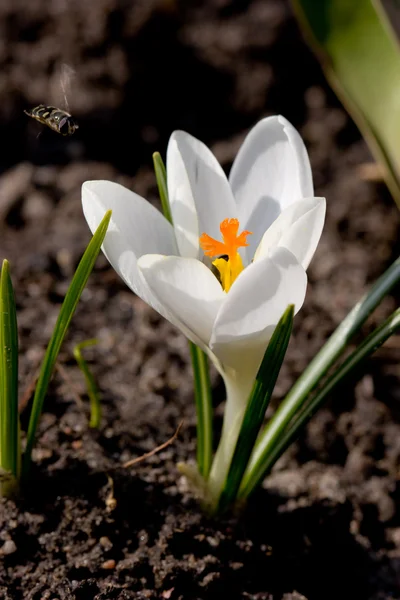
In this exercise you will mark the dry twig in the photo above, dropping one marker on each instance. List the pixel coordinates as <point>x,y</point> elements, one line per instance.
<point>139,459</point>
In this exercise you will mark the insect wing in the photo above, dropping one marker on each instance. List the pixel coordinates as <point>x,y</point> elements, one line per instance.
<point>60,86</point>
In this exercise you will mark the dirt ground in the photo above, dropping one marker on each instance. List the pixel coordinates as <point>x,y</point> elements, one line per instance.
<point>326,524</point>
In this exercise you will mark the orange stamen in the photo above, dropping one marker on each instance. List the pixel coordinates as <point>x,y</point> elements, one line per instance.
<point>231,241</point>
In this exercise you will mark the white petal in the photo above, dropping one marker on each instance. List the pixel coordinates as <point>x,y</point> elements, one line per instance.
<point>187,290</point>
<point>298,228</point>
<point>253,307</point>
<point>136,228</point>
<point>182,204</point>
<point>199,193</point>
<point>270,172</point>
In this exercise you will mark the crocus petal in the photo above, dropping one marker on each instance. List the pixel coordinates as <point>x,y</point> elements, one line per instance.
<point>298,228</point>
<point>187,290</point>
<point>253,307</point>
<point>270,172</point>
<point>136,228</point>
<point>197,185</point>
<point>181,201</point>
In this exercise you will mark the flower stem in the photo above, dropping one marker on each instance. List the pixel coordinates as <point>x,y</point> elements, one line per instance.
<point>256,407</point>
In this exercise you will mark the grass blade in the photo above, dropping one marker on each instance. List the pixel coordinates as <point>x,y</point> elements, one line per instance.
<point>9,418</point>
<point>257,406</point>
<point>93,393</point>
<point>321,363</point>
<point>64,318</point>
<point>202,387</point>
<point>360,56</point>
<point>202,394</point>
<point>161,176</point>
<point>266,461</point>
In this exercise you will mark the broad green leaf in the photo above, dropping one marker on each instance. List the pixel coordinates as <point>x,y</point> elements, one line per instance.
<point>64,318</point>
<point>9,419</point>
<point>360,56</point>
<point>93,393</point>
<point>256,406</point>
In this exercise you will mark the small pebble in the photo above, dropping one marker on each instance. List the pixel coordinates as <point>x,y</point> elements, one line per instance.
<point>40,454</point>
<point>213,541</point>
<point>9,547</point>
<point>105,542</point>
<point>109,564</point>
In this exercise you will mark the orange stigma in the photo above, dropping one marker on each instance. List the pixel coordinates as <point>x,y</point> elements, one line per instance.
<point>231,240</point>
<point>231,268</point>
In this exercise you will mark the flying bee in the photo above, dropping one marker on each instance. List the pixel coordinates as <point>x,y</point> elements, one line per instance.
<point>59,120</point>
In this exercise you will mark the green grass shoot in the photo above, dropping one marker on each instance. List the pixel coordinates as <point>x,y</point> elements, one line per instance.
<point>10,450</point>
<point>313,375</point>
<point>265,462</point>
<point>64,318</point>
<point>92,391</point>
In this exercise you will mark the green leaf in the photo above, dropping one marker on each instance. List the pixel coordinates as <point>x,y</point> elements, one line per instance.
<point>257,406</point>
<point>202,387</point>
<point>317,368</point>
<point>361,60</point>
<point>368,347</point>
<point>64,318</point>
<point>161,176</point>
<point>9,418</point>
<point>94,397</point>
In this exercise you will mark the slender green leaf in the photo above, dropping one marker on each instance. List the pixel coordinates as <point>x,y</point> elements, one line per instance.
<point>266,461</point>
<point>9,419</point>
<point>161,176</point>
<point>202,393</point>
<point>64,318</point>
<point>321,363</point>
<point>93,393</point>
<point>361,59</point>
<point>202,386</point>
<point>257,406</point>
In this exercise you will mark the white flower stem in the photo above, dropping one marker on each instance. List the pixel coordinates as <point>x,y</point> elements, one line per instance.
<point>237,391</point>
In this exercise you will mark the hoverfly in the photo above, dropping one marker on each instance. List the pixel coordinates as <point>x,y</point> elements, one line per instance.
<point>57,119</point>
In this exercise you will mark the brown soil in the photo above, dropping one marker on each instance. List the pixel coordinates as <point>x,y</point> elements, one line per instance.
<point>326,524</point>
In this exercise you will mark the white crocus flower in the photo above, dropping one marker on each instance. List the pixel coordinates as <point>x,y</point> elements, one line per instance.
<point>228,307</point>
